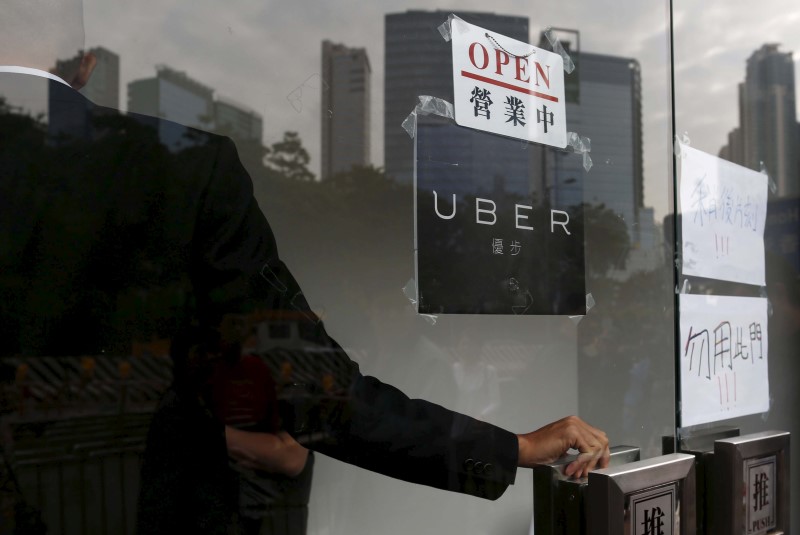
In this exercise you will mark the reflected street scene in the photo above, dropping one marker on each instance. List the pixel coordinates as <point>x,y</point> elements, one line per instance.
<point>262,275</point>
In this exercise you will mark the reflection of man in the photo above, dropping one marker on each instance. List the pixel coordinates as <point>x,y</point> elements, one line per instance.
<point>108,237</point>
<point>273,471</point>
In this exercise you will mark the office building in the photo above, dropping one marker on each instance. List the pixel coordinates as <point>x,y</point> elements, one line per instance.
<point>237,121</point>
<point>345,111</point>
<point>734,150</point>
<point>606,107</point>
<point>173,95</point>
<point>767,131</point>
<point>419,62</point>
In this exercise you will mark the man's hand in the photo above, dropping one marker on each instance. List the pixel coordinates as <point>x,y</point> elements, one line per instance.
<point>270,452</point>
<point>547,444</point>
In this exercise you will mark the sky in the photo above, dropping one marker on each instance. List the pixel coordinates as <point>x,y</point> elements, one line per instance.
<point>258,52</point>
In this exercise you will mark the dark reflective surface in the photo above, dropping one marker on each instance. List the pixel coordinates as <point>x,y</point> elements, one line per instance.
<point>736,97</point>
<point>142,295</point>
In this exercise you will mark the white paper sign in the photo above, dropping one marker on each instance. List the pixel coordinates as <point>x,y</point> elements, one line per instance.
<point>507,87</point>
<point>724,209</point>
<point>723,356</point>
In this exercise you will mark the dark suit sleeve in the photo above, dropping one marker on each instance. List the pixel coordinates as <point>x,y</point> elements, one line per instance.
<point>359,419</point>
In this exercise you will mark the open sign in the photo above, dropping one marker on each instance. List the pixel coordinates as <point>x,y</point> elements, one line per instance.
<point>507,87</point>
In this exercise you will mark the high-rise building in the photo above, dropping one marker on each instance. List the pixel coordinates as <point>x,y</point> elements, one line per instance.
<point>103,86</point>
<point>419,62</point>
<point>237,121</point>
<point>345,111</point>
<point>767,131</point>
<point>734,150</point>
<point>174,96</point>
<point>606,108</point>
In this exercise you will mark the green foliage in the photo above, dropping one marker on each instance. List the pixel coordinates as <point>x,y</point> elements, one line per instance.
<point>20,130</point>
<point>289,158</point>
<point>606,238</point>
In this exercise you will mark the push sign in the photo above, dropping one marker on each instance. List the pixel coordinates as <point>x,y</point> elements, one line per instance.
<point>760,476</point>
<point>653,511</point>
<point>751,474</point>
<point>507,87</point>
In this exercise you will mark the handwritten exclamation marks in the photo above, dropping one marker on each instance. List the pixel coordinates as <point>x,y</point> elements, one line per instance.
<point>722,245</point>
<point>725,391</point>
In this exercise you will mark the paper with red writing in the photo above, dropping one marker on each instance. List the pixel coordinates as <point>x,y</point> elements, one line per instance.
<point>723,357</point>
<point>507,87</point>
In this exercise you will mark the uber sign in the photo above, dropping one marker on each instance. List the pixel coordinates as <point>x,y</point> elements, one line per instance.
<point>485,243</point>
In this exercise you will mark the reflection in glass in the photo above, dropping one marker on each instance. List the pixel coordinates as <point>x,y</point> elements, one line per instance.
<point>347,236</point>
<point>735,87</point>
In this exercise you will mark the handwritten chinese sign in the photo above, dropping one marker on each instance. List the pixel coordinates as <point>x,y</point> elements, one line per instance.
<point>724,209</point>
<point>507,87</point>
<point>723,356</point>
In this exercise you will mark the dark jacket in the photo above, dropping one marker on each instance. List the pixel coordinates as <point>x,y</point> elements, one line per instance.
<point>115,228</point>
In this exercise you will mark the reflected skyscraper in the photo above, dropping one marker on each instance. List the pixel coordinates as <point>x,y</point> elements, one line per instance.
<point>347,76</point>
<point>173,95</point>
<point>237,121</point>
<point>767,131</point>
<point>419,62</point>
<point>605,105</point>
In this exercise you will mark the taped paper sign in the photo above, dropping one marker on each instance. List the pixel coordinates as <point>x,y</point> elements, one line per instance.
<point>508,87</point>
<point>723,356</point>
<point>724,208</point>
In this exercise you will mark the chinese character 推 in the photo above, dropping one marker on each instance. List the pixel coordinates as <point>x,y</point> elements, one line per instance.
<point>482,101</point>
<point>653,522</point>
<point>515,110</point>
<point>760,492</point>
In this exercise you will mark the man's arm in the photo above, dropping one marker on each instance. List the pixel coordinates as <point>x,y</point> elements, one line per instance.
<point>361,420</point>
<point>271,452</point>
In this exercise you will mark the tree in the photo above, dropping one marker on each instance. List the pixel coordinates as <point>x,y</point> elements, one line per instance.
<point>606,238</point>
<point>289,158</point>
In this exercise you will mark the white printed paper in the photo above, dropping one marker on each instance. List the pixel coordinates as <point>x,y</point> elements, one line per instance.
<point>507,87</point>
<point>723,357</point>
<point>724,208</point>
